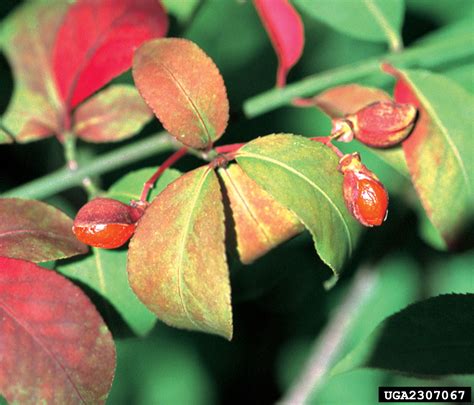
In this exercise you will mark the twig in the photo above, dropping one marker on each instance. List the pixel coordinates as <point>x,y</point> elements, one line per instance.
<point>422,56</point>
<point>327,346</point>
<point>64,179</point>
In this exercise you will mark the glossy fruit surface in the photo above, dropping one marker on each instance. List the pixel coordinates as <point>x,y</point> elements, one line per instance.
<point>106,223</point>
<point>364,195</point>
<point>366,198</point>
<point>108,236</point>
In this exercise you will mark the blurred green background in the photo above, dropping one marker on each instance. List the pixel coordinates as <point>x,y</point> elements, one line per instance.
<point>280,305</point>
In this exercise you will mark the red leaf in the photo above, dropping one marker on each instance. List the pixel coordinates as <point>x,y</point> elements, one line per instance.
<point>54,346</point>
<point>285,29</point>
<point>96,42</point>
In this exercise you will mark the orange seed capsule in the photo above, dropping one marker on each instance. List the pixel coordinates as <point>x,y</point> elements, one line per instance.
<point>106,223</point>
<point>364,195</point>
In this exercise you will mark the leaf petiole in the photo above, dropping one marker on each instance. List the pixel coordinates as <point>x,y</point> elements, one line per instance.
<point>165,165</point>
<point>326,140</point>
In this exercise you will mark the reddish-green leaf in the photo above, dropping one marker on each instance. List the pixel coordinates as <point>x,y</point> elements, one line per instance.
<point>347,99</point>
<point>184,88</point>
<point>302,175</point>
<point>96,42</point>
<point>261,223</point>
<point>5,137</point>
<point>286,31</point>
<point>114,114</point>
<point>439,151</point>
<point>27,39</point>
<point>35,231</point>
<point>54,346</point>
<point>176,262</point>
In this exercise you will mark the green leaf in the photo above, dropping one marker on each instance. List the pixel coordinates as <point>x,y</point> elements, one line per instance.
<point>176,261</point>
<point>189,99</point>
<point>462,75</point>
<point>183,10</point>
<point>443,12</point>
<point>105,270</point>
<point>426,338</point>
<point>302,175</point>
<point>453,275</point>
<point>371,20</point>
<point>173,372</point>
<point>27,39</point>
<point>114,114</point>
<point>439,150</point>
<point>35,231</point>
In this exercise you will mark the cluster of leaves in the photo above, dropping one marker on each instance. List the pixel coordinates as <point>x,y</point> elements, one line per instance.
<point>176,264</point>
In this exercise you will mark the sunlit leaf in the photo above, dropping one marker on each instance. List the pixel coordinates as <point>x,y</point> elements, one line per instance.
<point>5,137</point>
<point>54,346</point>
<point>184,88</point>
<point>27,38</point>
<point>96,41</point>
<point>302,175</point>
<point>35,231</point>
<point>260,222</point>
<point>426,338</point>
<point>286,31</point>
<point>105,271</point>
<point>439,151</point>
<point>114,114</point>
<point>176,262</point>
<point>371,20</point>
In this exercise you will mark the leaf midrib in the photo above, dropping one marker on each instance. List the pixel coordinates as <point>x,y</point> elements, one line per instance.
<point>242,153</point>
<point>182,244</point>
<point>6,234</point>
<point>388,30</point>
<point>190,101</point>
<point>15,318</point>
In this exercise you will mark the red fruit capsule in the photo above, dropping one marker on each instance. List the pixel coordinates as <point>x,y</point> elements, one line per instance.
<point>364,195</point>
<point>383,123</point>
<point>106,223</point>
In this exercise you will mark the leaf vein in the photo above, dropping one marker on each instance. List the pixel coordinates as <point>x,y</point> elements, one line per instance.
<point>314,185</point>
